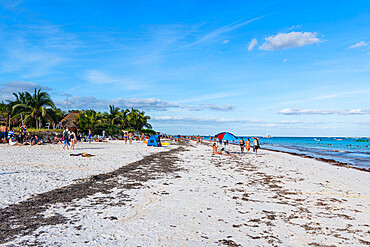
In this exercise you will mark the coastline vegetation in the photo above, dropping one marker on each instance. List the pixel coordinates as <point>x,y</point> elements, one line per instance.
<point>36,109</point>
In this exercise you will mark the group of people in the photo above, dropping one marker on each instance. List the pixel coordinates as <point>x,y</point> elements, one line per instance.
<point>243,144</point>
<point>247,145</point>
<point>8,135</point>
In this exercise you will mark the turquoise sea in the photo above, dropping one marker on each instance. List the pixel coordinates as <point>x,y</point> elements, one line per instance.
<point>347,150</point>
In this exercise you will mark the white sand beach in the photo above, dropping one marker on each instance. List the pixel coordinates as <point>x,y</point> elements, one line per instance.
<point>178,196</point>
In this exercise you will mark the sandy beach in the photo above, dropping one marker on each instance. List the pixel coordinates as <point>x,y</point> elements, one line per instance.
<point>134,195</point>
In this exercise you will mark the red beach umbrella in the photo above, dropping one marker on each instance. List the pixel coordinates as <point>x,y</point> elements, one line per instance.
<point>226,136</point>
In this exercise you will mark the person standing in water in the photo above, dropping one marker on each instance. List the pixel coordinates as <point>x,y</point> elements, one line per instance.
<point>248,145</point>
<point>241,142</point>
<point>256,145</point>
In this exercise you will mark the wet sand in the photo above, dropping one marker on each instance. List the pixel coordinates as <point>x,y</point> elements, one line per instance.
<point>183,196</point>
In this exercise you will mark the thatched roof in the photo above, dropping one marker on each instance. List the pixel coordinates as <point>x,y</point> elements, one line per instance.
<point>70,120</point>
<point>71,116</point>
<point>69,124</point>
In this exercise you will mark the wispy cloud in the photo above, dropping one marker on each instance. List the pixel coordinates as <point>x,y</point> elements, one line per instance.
<point>222,30</point>
<point>325,96</point>
<point>34,49</point>
<point>212,107</point>
<point>220,95</point>
<point>252,44</point>
<point>297,111</point>
<point>358,45</point>
<point>289,40</point>
<point>294,27</point>
<point>10,4</point>
<point>99,77</point>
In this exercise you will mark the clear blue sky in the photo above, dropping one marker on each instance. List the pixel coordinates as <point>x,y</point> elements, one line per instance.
<point>300,67</point>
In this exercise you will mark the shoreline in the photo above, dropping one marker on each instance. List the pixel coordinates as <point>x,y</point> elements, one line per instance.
<point>330,161</point>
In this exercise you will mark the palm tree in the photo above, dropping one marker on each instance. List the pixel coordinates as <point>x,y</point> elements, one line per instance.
<point>123,117</point>
<point>36,106</point>
<point>88,119</point>
<point>143,121</point>
<point>114,114</point>
<point>20,98</point>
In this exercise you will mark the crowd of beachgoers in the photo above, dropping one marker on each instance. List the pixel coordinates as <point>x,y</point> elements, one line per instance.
<point>68,137</point>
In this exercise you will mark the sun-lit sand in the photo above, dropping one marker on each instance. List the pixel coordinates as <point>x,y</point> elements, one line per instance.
<point>178,196</point>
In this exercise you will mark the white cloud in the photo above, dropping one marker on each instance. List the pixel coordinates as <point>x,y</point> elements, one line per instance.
<point>289,40</point>
<point>358,45</point>
<point>8,88</point>
<point>91,102</point>
<point>211,107</point>
<point>294,27</point>
<point>285,60</point>
<point>99,77</point>
<point>226,41</point>
<point>297,111</point>
<point>252,44</point>
<point>205,120</point>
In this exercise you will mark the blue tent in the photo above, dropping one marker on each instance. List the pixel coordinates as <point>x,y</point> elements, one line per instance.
<point>155,141</point>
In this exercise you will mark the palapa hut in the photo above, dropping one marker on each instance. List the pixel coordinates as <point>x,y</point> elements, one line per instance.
<point>70,120</point>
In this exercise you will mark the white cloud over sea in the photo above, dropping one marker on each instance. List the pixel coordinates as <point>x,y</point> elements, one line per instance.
<point>289,40</point>
<point>297,111</point>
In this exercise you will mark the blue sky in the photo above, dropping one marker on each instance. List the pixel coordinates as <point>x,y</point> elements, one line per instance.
<point>300,67</point>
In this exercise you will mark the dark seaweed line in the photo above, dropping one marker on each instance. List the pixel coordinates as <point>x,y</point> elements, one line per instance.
<point>25,217</point>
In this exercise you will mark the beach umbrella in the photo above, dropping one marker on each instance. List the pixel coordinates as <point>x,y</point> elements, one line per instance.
<point>226,136</point>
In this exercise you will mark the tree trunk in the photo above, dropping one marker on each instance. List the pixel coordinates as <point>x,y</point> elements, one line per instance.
<point>22,119</point>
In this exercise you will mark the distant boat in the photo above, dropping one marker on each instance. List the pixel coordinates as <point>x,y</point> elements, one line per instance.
<point>318,140</point>
<point>358,140</point>
<point>267,133</point>
<point>338,139</point>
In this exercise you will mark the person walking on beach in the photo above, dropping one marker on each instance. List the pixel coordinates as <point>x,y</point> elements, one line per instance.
<point>73,140</point>
<point>66,138</point>
<point>248,145</point>
<point>241,142</point>
<point>125,137</point>
<point>256,145</point>
<point>89,135</point>
<point>130,137</point>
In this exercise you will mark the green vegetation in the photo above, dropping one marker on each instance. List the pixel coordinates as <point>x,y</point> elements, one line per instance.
<point>37,109</point>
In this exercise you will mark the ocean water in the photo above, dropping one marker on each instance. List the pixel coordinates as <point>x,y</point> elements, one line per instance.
<point>347,151</point>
